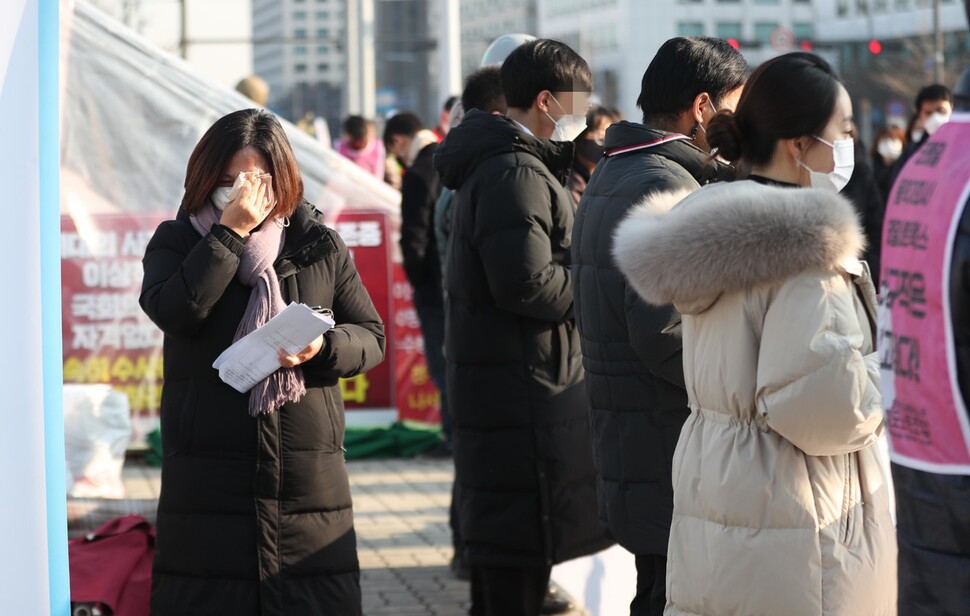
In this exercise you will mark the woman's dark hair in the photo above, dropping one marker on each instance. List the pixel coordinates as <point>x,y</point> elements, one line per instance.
<point>684,67</point>
<point>786,97</point>
<point>598,113</point>
<point>543,64</point>
<point>231,133</point>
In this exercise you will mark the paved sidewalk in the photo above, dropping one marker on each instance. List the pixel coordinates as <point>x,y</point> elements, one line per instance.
<point>403,538</point>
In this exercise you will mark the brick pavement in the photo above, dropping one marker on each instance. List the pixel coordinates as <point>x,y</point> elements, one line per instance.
<point>404,542</point>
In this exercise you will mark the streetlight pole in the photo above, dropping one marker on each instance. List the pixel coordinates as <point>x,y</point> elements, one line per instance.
<point>937,44</point>
<point>449,77</point>
<point>183,30</point>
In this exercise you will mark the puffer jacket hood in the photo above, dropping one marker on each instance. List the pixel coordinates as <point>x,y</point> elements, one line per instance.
<point>481,136</point>
<point>752,235</point>
<point>624,135</point>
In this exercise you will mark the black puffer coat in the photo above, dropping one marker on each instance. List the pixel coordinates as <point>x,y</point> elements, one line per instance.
<point>634,371</point>
<point>933,510</point>
<point>523,455</point>
<point>255,514</point>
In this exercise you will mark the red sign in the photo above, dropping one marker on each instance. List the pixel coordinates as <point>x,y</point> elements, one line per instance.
<point>366,235</point>
<point>107,337</point>
<point>417,397</point>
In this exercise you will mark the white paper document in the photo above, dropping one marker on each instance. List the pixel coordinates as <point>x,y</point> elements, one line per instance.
<point>254,357</point>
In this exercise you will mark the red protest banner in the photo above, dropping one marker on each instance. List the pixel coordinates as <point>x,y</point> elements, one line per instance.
<point>106,336</point>
<point>417,397</point>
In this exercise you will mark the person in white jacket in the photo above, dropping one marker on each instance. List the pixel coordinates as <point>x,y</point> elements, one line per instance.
<point>781,501</point>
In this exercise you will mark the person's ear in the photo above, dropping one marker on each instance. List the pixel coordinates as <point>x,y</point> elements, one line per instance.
<point>544,101</point>
<point>701,102</point>
<point>797,147</point>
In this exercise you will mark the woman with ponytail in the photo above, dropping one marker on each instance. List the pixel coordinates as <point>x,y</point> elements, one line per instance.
<point>781,502</point>
<point>255,513</point>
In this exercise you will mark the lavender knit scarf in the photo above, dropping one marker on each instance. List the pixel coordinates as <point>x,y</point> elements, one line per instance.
<point>263,246</point>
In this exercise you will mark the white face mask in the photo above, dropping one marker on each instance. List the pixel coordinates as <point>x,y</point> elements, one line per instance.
<point>843,154</point>
<point>221,197</point>
<point>568,127</point>
<point>935,121</point>
<point>890,149</point>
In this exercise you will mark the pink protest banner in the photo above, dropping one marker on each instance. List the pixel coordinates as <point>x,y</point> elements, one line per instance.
<point>927,416</point>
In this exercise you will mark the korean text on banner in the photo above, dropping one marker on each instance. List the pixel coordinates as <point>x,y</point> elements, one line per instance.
<point>927,415</point>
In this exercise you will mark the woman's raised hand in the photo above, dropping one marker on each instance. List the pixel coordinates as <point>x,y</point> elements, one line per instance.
<point>251,207</point>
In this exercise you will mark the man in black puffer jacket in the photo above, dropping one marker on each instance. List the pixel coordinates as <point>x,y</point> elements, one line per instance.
<point>634,371</point>
<point>523,457</point>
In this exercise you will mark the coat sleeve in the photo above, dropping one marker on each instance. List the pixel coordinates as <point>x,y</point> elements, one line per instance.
<point>513,233</point>
<point>182,285</point>
<point>814,385</point>
<point>356,344</point>
<point>661,353</point>
<point>416,225</point>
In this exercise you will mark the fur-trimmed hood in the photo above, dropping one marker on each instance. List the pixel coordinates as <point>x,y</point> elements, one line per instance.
<point>729,237</point>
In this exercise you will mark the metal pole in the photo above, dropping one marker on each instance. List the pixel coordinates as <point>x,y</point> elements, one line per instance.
<point>938,59</point>
<point>449,77</point>
<point>183,30</point>
<point>352,51</point>
<point>367,58</point>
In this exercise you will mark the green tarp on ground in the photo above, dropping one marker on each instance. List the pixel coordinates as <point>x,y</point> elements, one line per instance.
<point>401,440</point>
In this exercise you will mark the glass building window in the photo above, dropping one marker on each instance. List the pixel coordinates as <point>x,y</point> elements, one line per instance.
<point>728,30</point>
<point>763,30</point>
<point>690,28</point>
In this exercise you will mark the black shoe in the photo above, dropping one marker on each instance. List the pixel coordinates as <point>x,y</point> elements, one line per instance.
<point>555,602</point>
<point>459,569</point>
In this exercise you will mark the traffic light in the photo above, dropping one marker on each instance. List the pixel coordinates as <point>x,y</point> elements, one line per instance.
<point>875,47</point>
<point>806,45</point>
<point>734,43</point>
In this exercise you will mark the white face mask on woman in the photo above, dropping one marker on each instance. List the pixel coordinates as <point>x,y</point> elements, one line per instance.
<point>843,154</point>
<point>221,197</point>
<point>890,149</point>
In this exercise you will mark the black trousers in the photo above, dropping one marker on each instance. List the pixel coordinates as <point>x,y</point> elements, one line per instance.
<point>508,591</point>
<point>651,586</point>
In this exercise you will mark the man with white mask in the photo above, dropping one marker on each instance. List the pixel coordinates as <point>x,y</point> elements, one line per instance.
<point>933,106</point>
<point>523,456</point>
<point>634,369</point>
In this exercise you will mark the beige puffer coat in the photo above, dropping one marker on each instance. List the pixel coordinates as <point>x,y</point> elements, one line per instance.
<point>781,504</point>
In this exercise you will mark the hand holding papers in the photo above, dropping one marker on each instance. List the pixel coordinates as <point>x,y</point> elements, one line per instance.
<point>254,357</point>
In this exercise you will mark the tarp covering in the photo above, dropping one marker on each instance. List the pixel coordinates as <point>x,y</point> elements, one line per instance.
<point>132,113</point>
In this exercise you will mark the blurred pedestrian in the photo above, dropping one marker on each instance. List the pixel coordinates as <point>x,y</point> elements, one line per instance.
<point>933,106</point>
<point>444,118</point>
<point>358,144</point>
<point>925,337</point>
<point>634,370</point>
<point>420,187</point>
<point>255,511</point>
<point>589,148</point>
<point>483,91</point>
<point>781,502</point>
<point>522,446</point>
<point>887,147</point>
<point>864,194</point>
